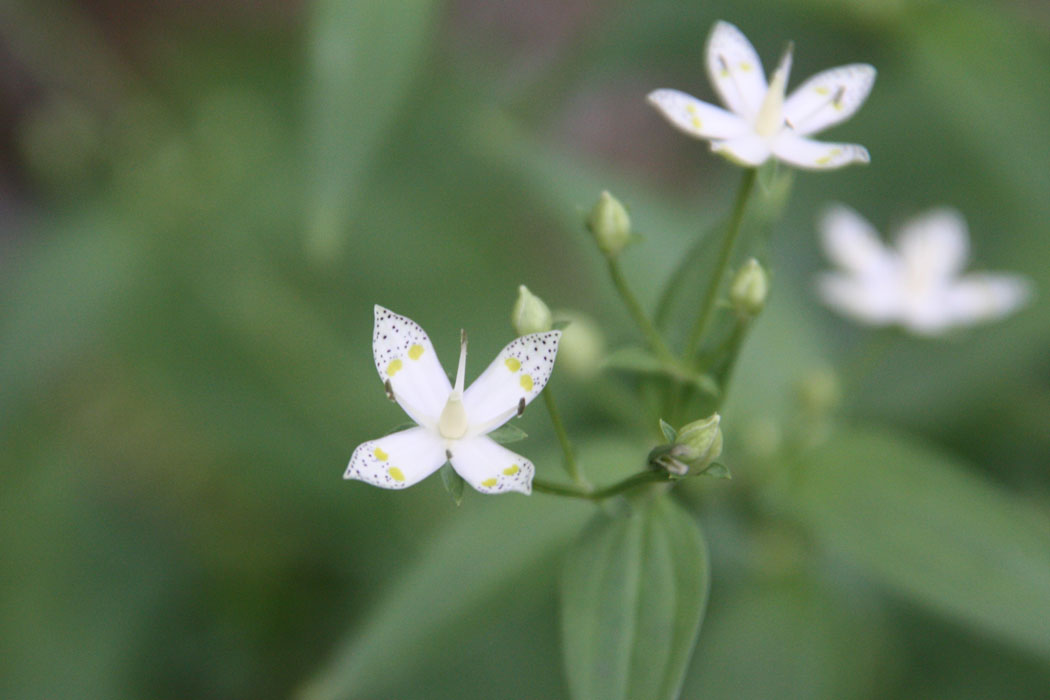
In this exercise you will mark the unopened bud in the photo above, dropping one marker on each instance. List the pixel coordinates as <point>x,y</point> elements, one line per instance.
<point>530,314</point>
<point>610,225</point>
<point>699,443</point>
<point>749,289</point>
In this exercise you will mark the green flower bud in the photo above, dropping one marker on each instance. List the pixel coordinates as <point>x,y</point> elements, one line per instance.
<point>699,443</point>
<point>610,224</point>
<point>749,289</point>
<point>530,314</point>
<point>582,345</point>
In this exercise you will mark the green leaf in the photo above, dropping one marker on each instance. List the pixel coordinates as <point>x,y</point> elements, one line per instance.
<point>670,434</point>
<point>717,470</point>
<point>507,433</point>
<point>453,483</point>
<point>932,530</point>
<point>793,637</point>
<point>473,567</point>
<point>633,597</point>
<point>640,361</point>
<point>364,56</point>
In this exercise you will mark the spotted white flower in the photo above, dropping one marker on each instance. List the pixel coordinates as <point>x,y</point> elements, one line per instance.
<point>760,122</point>
<point>918,283</point>
<point>452,423</point>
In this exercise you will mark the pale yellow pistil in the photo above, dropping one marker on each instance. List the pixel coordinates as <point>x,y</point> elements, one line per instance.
<point>770,117</point>
<point>453,423</point>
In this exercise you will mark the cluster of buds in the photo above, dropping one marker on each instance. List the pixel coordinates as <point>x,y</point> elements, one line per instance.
<point>695,447</point>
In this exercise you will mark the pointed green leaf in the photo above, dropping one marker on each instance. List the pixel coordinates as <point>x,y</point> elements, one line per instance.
<point>508,433</point>
<point>670,434</point>
<point>364,56</point>
<point>928,527</point>
<point>633,595</point>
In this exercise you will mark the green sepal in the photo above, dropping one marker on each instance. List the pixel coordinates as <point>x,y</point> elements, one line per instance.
<point>717,470</point>
<point>508,433</point>
<point>453,483</point>
<point>670,434</point>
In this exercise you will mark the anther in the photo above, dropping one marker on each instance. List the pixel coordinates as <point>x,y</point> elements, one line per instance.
<point>389,390</point>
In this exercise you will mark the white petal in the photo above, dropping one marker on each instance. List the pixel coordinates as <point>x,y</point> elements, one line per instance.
<point>817,155</point>
<point>397,460</point>
<point>750,150</point>
<point>404,356</point>
<point>491,468</point>
<point>735,70</point>
<point>873,300</point>
<point>935,245</point>
<point>697,118</point>
<point>519,372</point>
<point>828,98</point>
<point>985,297</point>
<point>850,241</point>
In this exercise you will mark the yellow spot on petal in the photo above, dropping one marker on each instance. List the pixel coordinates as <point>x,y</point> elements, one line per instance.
<point>822,90</point>
<point>393,367</point>
<point>823,160</point>
<point>415,352</point>
<point>697,123</point>
<point>511,470</point>
<point>513,364</point>
<point>526,382</point>
<point>380,455</point>
<point>745,66</point>
<point>489,483</point>
<point>725,72</point>
<point>396,474</point>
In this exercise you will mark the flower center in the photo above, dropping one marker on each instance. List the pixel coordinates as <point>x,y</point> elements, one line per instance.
<point>453,422</point>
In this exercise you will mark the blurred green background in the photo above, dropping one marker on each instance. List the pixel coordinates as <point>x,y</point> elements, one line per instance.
<point>201,201</point>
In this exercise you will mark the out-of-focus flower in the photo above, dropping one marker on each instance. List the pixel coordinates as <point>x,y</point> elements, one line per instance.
<point>452,423</point>
<point>918,283</point>
<point>761,122</point>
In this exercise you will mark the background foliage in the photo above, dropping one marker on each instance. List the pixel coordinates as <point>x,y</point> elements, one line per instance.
<point>200,202</point>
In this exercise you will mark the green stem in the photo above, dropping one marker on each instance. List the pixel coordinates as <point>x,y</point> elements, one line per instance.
<point>725,255</point>
<point>656,341</point>
<point>590,494</point>
<point>566,447</point>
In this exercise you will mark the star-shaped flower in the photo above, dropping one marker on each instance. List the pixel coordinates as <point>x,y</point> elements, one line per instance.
<point>918,283</point>
<point>452,423</point>
<point>760,122</point>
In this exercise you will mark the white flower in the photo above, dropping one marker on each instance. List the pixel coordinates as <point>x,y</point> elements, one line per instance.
<point>918,284</point>
<point>760,122</point>
<point>452,423</point>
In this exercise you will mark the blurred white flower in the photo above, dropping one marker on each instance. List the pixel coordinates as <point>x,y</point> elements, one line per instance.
<point>760,122</point>
<point>918,283</point>
<point>453,424</point>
